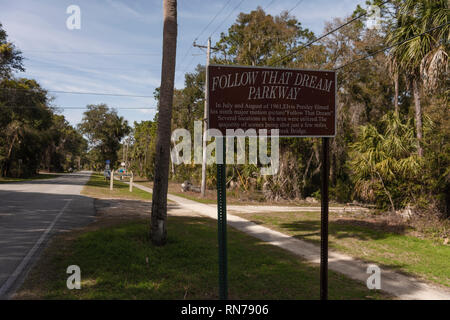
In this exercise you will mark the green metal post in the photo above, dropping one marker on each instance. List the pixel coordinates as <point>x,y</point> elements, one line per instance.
<point>222,225</point>
<point>324,220</point>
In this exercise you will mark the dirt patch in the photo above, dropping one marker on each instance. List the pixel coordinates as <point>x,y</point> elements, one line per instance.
<point>133,209</point>
<point>379,224</point>
<point>419,226</point>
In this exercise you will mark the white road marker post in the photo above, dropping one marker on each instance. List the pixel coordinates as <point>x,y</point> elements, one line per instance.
<point>112,179</point>
<point>131,182</point>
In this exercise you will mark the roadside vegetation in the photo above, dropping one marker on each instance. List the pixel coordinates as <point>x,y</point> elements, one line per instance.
<point>118,261</point>
<point>392,144</point>
<point>391,150</point>
<point>33,135</point>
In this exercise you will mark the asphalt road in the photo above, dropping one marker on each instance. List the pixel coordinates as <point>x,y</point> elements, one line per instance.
<point>30,214</point>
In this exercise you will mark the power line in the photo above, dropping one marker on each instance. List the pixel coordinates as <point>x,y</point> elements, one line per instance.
<point>229,15</point>
<point>217,14</point>
<point>142,68</point>
<point>391,46</point>
<point>204,29</point>
<point>323,36</point>
<point>78,108</point>
<point>269,4</point>
<point>96,53</point>
<point>87,69</point>
<point>83,93</point>
<point>37,63</point>
<point>296,5</point>
<point>188,65</point>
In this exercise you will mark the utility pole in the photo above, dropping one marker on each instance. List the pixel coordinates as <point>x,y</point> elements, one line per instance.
<point>126,153</point>
<point>123,151</point>
<point>205,114</point>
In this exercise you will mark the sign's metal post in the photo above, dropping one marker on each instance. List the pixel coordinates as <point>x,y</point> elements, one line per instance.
<point>324,221</point>
<point>222,224</point>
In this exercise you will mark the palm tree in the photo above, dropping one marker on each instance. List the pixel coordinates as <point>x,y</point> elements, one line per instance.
<point>382,159</point>
<point>161,177</point>
<point>394,71</point>
<point>423,58</point>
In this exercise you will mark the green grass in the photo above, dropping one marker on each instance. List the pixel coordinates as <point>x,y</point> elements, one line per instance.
<point>98,187</point>
<point>38,177</point>
<point>113,266</point>
<point>424,258</point>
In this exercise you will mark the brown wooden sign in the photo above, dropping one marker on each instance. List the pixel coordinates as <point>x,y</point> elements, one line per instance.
<point>300,103</point>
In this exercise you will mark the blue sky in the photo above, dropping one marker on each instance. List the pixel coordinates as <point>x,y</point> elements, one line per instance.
<point>118,48</point>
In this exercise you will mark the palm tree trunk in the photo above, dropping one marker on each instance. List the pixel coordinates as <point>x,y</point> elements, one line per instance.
<point>396,93</point>
<point>159,201</point>
<point>418,115</point>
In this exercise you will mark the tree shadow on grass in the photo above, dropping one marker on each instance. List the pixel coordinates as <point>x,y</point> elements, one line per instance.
<point>345,228</point>
<point>351,229</point>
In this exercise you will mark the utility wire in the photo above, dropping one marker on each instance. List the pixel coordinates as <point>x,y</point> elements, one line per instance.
<point>188,65</point>
<point>79,108</point>
<point>269,4</point>
<point>213,19</point>
<point>296,5</point>
<point>391,46</point>
<point>95,53</point>
<point>204,29</point>
<point>323,36</point>
<point>87,69</point>
<point>79,92</point>
<point>229,15</point>
<point>35,64</point>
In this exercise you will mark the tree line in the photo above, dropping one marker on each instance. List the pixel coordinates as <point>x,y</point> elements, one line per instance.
<point>392,142</point>
<point>392,145</point>
<point>33,135</point>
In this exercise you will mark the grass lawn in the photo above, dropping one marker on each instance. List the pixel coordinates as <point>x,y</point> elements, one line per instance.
<point>98,187</point>
<point>118,261</point>
<point>367,240</point>
<point>38,177</point>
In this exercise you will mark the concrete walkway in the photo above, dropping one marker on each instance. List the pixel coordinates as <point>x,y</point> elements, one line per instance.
<point>262,208</point>
<point>401,286</point>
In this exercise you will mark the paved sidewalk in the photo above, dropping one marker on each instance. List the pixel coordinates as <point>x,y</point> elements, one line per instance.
<point>262,208</point>
<point>401,286</point>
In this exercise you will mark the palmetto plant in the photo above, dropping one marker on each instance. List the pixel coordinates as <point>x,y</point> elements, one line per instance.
<point>382,159</point>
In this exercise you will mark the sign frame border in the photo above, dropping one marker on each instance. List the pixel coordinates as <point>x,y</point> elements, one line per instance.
<point>277,68</point>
